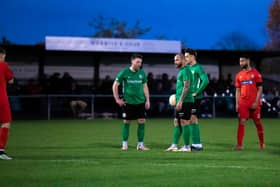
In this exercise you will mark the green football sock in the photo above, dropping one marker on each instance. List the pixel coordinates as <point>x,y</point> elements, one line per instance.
<point>195,133</point>
<point>141,132</point>
<point>186,134</point>
<point>176,135</point>
<point>125,131</point>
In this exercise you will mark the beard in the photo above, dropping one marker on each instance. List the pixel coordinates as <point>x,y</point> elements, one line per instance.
<point>245,66</point>
<point>178,66</point>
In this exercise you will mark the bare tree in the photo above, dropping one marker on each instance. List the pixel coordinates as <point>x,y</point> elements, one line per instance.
<point>113,28</point>
<point>273,26</point>
<point>236,41</point>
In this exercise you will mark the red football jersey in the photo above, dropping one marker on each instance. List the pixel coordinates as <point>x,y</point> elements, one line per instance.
<point>247,82</point>
<point>5,75</point>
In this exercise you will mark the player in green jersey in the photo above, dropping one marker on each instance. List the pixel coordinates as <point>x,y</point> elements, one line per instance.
<point>135,99</point>
<point>200,81</point>
<point>184,102</point>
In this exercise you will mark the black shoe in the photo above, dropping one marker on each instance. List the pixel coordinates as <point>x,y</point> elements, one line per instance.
<point>196,148</point>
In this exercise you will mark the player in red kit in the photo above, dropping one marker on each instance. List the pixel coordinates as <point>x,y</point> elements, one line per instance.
<point>248,83</point>
<point>6,76</point>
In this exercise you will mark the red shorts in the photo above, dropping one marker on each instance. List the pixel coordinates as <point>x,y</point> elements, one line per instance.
<point>245,111</point>
<point>5,113</point>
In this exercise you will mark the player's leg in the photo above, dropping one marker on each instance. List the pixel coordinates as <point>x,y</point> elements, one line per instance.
<point>141,134</point>
<point>127,115</point>
<point>243,112</point>
<point>5,119</point>
<point>185,135</point>
<point>176,136</point>
<point>4,134</point>
<point>256,115</point>
<point>185,122</point>
<point>141,114</point>
<point>125,134</point>
<point>194,126</point>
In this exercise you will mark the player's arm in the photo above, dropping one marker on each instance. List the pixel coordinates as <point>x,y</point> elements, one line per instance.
<point>147,95</point>
<point>259,82</point>
<point>259,94</point>
<point>183,95</point>
<point>237,92</point>
<point>115,89</point>
<point>204,82</point>
<point>237,96</point>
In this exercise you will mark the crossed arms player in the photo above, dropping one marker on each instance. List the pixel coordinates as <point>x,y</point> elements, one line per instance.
<point>136,99</point>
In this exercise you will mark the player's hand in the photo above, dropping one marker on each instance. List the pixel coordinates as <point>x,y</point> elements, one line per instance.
<point>254,105</point>
<point>147,105</point>
<point>120,102</point>
<point>236,108</point>
<point>179,106</point>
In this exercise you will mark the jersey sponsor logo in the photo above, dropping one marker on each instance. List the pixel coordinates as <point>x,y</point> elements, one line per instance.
<point>134,81</point>
<point>245,82</point>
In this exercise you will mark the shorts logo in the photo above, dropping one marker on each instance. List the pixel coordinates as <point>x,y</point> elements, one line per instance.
<point>193,111</point>
<point>124,115</point>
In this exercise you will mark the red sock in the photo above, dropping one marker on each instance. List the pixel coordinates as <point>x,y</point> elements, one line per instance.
<point>4,137</point>
<point>260,131</point>
<point>240,134</point>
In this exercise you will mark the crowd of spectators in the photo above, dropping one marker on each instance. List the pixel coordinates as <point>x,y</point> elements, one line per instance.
<point>158,85</point>
<point>164,85</point>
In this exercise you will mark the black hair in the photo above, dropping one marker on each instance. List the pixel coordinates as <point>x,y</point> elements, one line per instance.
<point>133,56</point>
<point>2,51</point>
<point>245,56</point>
<point>190,51</point>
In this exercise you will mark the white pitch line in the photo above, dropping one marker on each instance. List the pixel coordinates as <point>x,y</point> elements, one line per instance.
<point>63,160</point>
<point>218,166</point>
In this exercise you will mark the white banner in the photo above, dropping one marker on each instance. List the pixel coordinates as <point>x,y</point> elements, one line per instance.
<point>112,45</point>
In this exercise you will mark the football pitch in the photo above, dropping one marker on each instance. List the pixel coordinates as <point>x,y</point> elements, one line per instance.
<point>87,153</point>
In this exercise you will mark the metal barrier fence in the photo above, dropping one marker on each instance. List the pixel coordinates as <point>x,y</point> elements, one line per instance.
<point>96,106</point>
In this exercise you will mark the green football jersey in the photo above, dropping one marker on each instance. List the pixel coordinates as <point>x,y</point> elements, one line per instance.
<point>184,74</point>
<point>200,80</point>
<point>132,83</point>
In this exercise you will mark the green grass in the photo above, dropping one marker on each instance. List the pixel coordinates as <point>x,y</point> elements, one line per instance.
<point>87,153</point>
